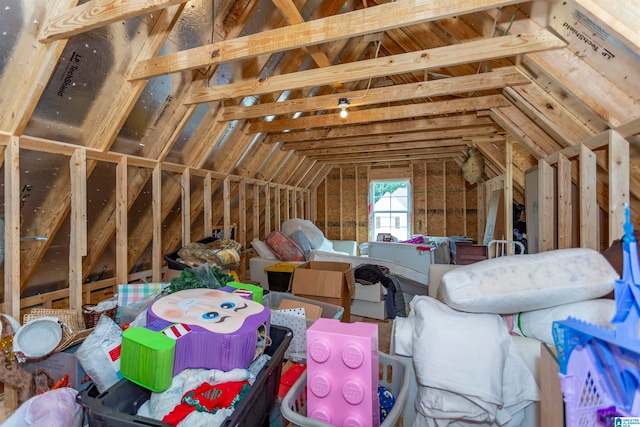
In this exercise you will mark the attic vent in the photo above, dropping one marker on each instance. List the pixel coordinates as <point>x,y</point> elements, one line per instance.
<point>473,166</point>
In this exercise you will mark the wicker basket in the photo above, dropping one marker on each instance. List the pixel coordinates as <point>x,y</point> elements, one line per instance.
<point>72,331</point>
<point>91,316</point>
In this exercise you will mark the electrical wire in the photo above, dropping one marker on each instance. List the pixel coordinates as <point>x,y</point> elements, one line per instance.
<point>366,92</point>
<point>511,21</point>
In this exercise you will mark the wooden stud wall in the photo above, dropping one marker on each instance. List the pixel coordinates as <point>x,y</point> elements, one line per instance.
<point>435,199</point>
<point>443,204</point>
<point>196,188</point>
<point>554,193</point>
<point>419,192</point>
<point>455,197</point>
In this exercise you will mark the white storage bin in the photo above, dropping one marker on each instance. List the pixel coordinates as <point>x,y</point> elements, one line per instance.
<point>415,256</point>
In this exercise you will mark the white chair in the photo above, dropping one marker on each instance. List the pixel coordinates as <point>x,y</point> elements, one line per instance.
<point>497,248</point>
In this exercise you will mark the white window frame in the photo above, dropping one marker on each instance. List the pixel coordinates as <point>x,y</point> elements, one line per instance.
<point>376,218</point>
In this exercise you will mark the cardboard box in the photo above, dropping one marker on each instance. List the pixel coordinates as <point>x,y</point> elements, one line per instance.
<point>551,401</point>
<point>171,274</point>
<point>311,311</point>
<point>372,293</point>
<point>374,310</point>
<point>61,363</point>
<point>330,282</point>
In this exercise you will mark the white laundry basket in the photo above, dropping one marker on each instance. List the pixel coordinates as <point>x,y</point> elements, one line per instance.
<point>394,375</point>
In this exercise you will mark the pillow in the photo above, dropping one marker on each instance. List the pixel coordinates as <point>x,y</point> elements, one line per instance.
<point>516,283</point>
<point>538,323</point>
<point>314,234</point>
<point>283,247</point>
<point>262,249</point>
<point>301,240</point>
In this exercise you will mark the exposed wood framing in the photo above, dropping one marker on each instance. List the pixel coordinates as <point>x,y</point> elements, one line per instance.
<point>508,191</point>
<point>185,197</point>
<point>444,198</point>
<point>12,228</point>
<point>36,70</point>
<point>565,217</point>
<point>508,76</point>
<point>546,217</point>
<point>383,114</point>
<point>122,267</point>
<point>78,231</point>
<point>267,210</point>
<point>500,47</point>
<point>618,183</point>
<point>94,14</point>
<point>383,17</point>
<point>588,202</point>
<point>226,200</point>
<point>241,229</point>
<point>431,125</point>
<point>157,223</point>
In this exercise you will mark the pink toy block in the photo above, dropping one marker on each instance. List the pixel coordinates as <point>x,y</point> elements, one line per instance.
<point>342,373</point>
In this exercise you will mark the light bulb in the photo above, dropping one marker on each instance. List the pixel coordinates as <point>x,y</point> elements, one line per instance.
<point>343,103</point>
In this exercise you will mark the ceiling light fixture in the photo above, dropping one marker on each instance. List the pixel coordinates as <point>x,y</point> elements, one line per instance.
<point>343,103</point>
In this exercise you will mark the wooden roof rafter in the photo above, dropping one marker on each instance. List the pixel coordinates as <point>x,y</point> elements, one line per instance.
<point>381,159</point>
<point>499,47</point>
<point>384,114</point>
<point>365,142</point>
<point>508,76</point>
<point>346,25</point>
<point>387,148</point>
<point>382,128</point>
<point>97,13</point>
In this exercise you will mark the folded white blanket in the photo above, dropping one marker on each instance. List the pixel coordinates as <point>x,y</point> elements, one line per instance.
<point>467,367</point>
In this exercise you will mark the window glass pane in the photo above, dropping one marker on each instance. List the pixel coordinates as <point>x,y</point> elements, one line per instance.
<point>390,209</point>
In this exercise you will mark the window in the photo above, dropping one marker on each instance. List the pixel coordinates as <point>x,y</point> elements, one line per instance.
<point>390,207</point>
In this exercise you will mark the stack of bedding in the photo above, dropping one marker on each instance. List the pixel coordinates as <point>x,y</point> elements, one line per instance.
<point>470,369</point>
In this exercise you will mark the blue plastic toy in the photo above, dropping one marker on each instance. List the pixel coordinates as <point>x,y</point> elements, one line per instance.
<point>602,364</point>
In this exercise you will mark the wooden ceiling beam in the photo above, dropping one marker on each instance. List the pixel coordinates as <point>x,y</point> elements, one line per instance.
<point>514,121</point>
<point>384,160</point>
<point>97,13</point>
<point>26,77</point>
<point>293,17</point>
<point>366,21</point>
<point>549,115</point>
<point>478,50</point>
<point>441,143</point>
<point>629,128</point>
<point>320,176</point>
<point>583,82</point>
<point>366,142</point>
<point>404,153</point>
<point>500,78</point>
<point>412,125</point>
<point>300,172</point>
<point>384,114</point>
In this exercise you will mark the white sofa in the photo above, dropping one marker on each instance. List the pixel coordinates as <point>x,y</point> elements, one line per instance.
<point>258,264</point>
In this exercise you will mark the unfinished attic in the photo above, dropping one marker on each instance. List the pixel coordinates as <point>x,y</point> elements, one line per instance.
<point>131,129</point>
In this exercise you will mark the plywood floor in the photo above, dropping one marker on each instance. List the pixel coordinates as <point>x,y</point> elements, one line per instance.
<point>4,412</point>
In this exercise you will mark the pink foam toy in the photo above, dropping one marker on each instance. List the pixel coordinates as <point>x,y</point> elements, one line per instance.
<point>342,373</point>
